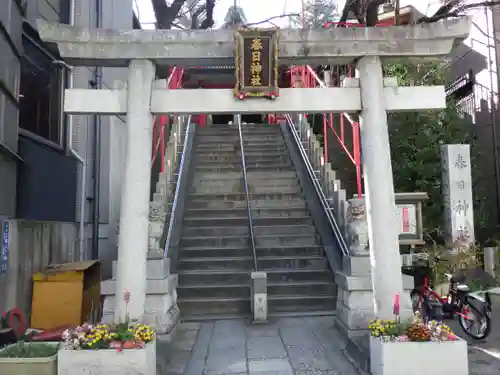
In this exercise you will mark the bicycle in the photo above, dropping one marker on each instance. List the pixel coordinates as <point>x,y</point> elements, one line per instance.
<point>466,307</point>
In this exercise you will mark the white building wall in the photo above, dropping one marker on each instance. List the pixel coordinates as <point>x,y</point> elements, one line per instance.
<point>114,14</point>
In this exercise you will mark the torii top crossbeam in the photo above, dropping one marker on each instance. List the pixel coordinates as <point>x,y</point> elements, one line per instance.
<point>105,47</point>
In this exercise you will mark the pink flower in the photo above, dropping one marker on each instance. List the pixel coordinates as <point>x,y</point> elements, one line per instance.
<point>126,296</point>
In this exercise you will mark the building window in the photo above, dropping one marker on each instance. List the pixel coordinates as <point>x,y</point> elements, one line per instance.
<point>41,92</point>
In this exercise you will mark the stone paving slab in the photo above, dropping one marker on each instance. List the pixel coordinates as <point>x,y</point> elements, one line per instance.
<point>288,346</point>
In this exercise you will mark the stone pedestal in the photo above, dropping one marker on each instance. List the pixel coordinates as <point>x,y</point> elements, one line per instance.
<point>355,300</point>
<point>160,309</point>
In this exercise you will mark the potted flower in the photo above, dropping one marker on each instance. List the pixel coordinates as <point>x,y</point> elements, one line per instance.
<point>124,348</point>
<point>22,358</point>
<point>416,347</point>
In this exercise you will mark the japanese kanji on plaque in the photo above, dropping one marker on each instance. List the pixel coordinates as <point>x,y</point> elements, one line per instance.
<point>256,55</point>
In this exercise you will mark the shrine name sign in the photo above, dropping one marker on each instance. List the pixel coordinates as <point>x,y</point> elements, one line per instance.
<point>256,62</point>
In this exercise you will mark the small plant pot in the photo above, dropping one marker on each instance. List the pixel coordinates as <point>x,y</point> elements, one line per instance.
<point>416,358</point>
<point>29,366</point>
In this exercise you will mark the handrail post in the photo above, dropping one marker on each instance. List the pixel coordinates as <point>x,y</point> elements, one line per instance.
<point>247,195</point>
<point>258,278</point>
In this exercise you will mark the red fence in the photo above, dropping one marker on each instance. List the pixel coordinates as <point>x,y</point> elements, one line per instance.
<point>174,83</point>
<point>306,77</point>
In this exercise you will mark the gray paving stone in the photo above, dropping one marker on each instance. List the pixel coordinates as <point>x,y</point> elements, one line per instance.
<point>266,330</point>
<point>273,366</point>
<point>265,347</point>
<point>224,365</point>
<point>293,336</point>
<point>191,326</point>
<point>340,363</point>
<point>324,372</point>
<point>205,333</point>
<point>308,359</point>
<point>226,351</point>
<point>195,367</point>
<point>331,340</point>
<point>178,361</point>
<point>291,346</point>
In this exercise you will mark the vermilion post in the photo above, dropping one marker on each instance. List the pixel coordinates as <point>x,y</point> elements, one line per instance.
<point>357,157</point>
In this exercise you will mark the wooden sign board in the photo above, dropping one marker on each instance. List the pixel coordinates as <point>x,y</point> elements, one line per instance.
<point>409,217</point>
<point>256,61</point>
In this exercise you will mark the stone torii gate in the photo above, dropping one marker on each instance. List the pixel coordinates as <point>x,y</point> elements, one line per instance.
<point>370,94</point>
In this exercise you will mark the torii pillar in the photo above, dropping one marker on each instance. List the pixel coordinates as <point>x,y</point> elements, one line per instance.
<point>134,223</point>
<point>380,201</point>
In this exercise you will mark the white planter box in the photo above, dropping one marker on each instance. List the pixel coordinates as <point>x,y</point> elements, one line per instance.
<point>417,358</point>
<point>108,361</point>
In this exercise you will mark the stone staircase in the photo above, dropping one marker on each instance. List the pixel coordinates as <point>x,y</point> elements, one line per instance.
<point>215,256</point>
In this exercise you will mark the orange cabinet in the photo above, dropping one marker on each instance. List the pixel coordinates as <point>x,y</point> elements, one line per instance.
<point>66,294</point>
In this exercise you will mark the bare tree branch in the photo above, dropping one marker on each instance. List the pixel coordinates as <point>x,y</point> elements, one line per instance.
<point>455,8</point>
<point>273,18</point>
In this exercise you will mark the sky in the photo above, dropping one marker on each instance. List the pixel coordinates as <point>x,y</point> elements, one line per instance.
<point>258,10</point>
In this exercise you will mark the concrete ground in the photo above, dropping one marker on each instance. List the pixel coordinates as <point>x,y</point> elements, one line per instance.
<point>295,346</point>
<point>288,346</point>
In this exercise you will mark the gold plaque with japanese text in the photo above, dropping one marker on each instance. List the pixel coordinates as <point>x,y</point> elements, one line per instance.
<point>256,55</point>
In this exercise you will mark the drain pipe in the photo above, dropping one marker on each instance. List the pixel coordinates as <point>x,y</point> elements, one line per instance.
<point>97,149</point>
<point>73,153</point>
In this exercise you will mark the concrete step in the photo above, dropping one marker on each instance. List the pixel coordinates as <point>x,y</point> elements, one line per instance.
<point>236,158</point>
<point>233,132</point>
<point>228,143</point>
<point>255,204</point>
<point>228,138</point>
<point>241,196</point>
<point>305,288</point>
<point>238,200</point>
<point>254,179</point>
<point>211,277</point>
<point>223,152</point>
<point>203,306</point>
<point>204,149</point>
<point>216,291</point>
<point>257,213</point>
<point>302,288</point>
<point>247,263</point>
<point>201,176</point>
<point>244,220</point>
<point>272,187</point>
<point>247,126</point>
<point>238,164</point>
<point>278,304</point>
<point>277,167</point>
<point>277,251</point>
<point>244,230</point>
<point>244,241</point>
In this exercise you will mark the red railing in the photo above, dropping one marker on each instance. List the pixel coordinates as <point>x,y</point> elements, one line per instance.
<point>174,83</point>
<point>306,77</point>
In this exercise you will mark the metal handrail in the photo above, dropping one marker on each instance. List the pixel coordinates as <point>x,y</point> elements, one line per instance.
<point>178,185</point>
<point>318,188</point>
<point>247,195</point>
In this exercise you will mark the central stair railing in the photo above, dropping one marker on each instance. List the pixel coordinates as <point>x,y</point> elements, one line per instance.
<point>319,190</point>
<point>247,194</point>
<point>175,215</point>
